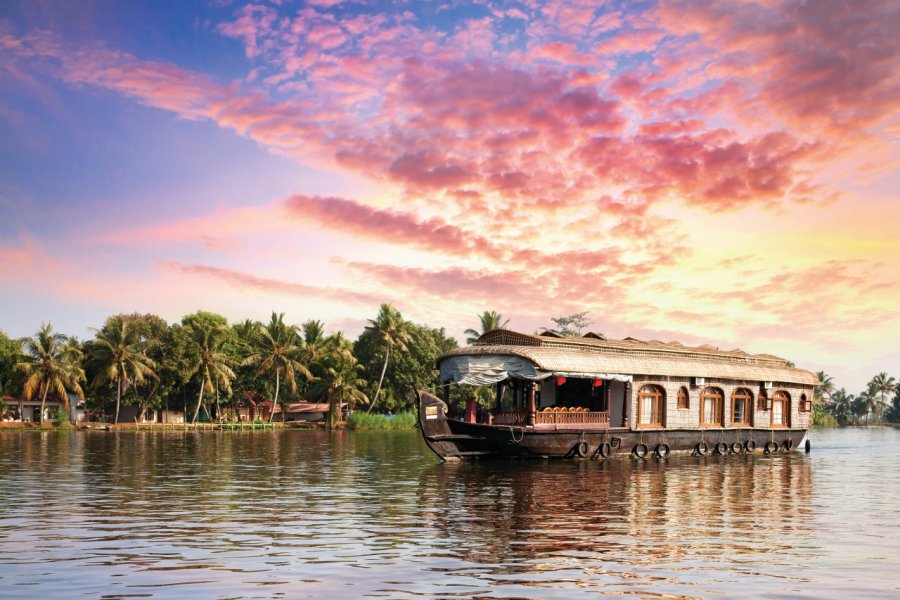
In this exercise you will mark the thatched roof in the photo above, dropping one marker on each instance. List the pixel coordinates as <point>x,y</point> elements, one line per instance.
<point>595,354</point>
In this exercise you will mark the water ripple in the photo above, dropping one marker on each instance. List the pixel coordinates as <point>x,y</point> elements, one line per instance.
<point>311,514</point>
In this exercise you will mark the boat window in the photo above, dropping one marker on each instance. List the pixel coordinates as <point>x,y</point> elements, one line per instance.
<point>684,401</point>
<point>781,409</point>
<point>762,402</point>
<point>712,402</point>
<point>741,405</point>
<point>651,406</point>
<point>805,405</point>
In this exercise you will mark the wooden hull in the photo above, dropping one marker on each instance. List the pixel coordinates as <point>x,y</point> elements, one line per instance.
<point>452,439</point>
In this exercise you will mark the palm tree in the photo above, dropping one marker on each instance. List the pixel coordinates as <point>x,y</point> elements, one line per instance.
<point>50,363</point>
<point>841,406</point>
<point>881,384</point>
<point>859,405</point>
<point>313,332</point>
<point>340,381</point>
<point>824,389</point>
<point>116,355</point>
<point>315,341</point>
<point>246,331</point>
<point>280,350</point>
<point>393,332</point>
<point>490,320</point>
<point>869,401</point>
<point>212,363</point>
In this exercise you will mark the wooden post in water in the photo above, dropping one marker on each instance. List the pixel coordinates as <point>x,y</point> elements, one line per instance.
<point>531,407</point>
<point>625,403</point>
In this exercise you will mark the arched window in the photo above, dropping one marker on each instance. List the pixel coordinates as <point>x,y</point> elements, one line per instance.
<point>805,405</point>
<point>651,406</point>
<point>762,402</point>
<point>781,409</point>
<point>684,400</point>
<point>712,403</point>
<point>741,407</point>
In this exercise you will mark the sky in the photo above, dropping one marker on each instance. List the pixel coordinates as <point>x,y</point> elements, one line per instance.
<point>719,172</point>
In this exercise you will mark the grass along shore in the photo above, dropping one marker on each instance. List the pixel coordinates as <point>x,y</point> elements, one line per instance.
<point>359,421</point>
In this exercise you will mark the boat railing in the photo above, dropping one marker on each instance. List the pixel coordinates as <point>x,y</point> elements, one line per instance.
<point>571,418</point>
<point>514,417</point>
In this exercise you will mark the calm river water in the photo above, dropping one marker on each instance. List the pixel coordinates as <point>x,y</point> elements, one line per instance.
<point>304,514</point>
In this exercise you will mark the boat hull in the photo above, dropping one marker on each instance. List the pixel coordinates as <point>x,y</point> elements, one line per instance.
<point>453,439</point>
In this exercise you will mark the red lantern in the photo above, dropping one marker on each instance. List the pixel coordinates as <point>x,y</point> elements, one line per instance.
<point>560,380</point>
<point>598,382</point>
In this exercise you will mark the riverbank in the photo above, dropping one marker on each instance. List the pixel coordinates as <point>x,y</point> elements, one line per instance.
<point>359,421</point>
<point>18,426</point>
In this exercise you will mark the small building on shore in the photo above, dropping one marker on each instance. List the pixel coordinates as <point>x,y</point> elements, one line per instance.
<point>129,414</point>
<point>28,411</point>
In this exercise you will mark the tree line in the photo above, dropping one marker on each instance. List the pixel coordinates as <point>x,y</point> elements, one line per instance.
<point>204,363</point>
<point>878,402</point>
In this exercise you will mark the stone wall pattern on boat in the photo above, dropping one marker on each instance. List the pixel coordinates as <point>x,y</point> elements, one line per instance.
<point>690,418</point>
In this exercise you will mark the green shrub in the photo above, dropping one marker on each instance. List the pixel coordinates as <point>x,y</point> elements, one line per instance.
<point>821,418</point>
<point>59,416</point>
<point>362,421</point>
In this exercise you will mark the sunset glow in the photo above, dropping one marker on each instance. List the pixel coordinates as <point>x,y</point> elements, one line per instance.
<point>710,172</point>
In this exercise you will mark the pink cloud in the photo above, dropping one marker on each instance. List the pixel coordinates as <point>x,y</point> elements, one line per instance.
<point>437,124</point>
<point>249,282</point>
<point>563,53</point>
<point>630,42</point>
<point>817,71</point>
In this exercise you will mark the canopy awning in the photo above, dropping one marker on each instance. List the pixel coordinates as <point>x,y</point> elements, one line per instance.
<point>488,370</point>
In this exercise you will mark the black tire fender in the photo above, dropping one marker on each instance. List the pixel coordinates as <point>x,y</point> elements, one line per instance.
<point>721,448</point>
<point>662,450</point>
<point>749,446</point>
<point>702,448</point>
<point>581,449</point>
<point>788,444</point>
<point>605,449</point>
<point>737,448</point>
<point>771,447</point>
<point>640,450</point>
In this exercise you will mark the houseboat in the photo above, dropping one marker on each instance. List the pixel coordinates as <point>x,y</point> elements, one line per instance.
<point>593,397</point>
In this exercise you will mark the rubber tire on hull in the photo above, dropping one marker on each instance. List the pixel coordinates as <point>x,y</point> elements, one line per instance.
<point>640,450</point>
<point>788,444</point>
<point>581,449</point>
<point>737,448</point>
<point>721,449</point>
<point>771,448</point>
<point>702,448</point>
<point>749,446</point>
<point>604,449</point>
<point>662,450</point>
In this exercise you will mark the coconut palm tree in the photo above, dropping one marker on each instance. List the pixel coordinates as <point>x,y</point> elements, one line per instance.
<point>824,389</point>
<point>246,332</point>
<point>115,354</point>
<point>881,385</point>
<point>841,406</point>
<point>313,332</point>
<point>212,365</point>
<point>859,405</point>
<point>393,331</point>
<point>490,320</point>
<point>869,401</point>
<point>280,351</point>
<point>340,381</point>
<point>50,364</point>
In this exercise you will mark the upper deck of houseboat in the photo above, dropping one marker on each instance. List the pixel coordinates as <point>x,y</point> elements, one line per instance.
<point>549,382</point>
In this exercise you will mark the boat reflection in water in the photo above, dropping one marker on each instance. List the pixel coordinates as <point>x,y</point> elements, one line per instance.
<point>680,526</point>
